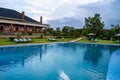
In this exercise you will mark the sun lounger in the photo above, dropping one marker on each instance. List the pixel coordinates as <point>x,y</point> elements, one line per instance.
<point>95,40</point>
<point>21,40</point>
<point>92,40</point>
<point>49,39</point>
<point>53,39</point>
<point>117,41</point>
<point>16,40</point>
<point>29,39</point>
<point>25,40</point>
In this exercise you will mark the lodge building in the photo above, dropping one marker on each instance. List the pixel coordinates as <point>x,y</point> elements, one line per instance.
<point>12,21</point>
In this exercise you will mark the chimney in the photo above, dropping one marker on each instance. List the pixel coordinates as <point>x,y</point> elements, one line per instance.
<point>40,19</point>
<point>23,15</point>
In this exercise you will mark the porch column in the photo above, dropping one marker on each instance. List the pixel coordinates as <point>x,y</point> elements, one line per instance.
<point>11,28</point>
<point>45,30</point>
<point>25,29</point>
<point>41,30</point>
<point>18,29</point>
<point>34,29</point>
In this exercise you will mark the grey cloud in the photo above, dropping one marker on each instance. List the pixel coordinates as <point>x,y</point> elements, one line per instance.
<point>109,13</point>
<point>69,21</point>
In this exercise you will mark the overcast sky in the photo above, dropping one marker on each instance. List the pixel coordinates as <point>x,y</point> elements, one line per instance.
<point>59,13</point>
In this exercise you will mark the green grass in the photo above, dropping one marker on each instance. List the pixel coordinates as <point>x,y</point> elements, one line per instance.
<point>100,41</point>
<point>38,40</point>
<point>6,42</point>
<point>47,41</point>
<point>35,40</point>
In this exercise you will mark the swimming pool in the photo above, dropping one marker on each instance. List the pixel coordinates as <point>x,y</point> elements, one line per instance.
<point>58,61</point>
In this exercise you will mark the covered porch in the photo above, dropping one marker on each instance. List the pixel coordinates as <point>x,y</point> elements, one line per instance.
<point>8,26</point>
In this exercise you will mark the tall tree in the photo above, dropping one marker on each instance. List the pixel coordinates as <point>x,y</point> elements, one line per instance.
<point>65,29</point>
<point>51,31</point>
<point>58,32</point>
<point>94,24</point>
<point>58,29</point>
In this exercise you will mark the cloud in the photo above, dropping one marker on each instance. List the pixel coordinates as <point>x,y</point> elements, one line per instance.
<point>50,9</point>
<point>107,9</point>
<point>68,21</point>
<point>31,7</point>
<point>65,12</point>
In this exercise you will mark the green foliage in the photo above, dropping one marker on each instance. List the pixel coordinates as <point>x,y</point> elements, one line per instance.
<point>116,28</point>
<point>105,35</point>
<point>51,31</point>
<point>59,36</point>
<point>84,32</point>
<point>58,29</point>
<point>94,25</point>
<point>30,33</point>
<point>11,38</point>
<point>112,32</point>
<point>18,35</point>
<point>41,35</point>
<point>108,34</point>
<point>66,31</point>
<point>23,33</point>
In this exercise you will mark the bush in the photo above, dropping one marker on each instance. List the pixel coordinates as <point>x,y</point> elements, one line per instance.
<point>11,38</point>
<point>23,33</point>
<point>30,33</point>
<point>41,36</point>
<point>59,37</point>
<point>18,35</point>
<point>84,32</point>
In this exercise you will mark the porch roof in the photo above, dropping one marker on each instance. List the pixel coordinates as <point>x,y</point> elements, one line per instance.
<point>8,21</point>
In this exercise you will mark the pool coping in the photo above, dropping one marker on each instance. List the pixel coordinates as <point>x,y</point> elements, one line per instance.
<point>98,43</point>
<point>19,45</point>
<point>29,44</point>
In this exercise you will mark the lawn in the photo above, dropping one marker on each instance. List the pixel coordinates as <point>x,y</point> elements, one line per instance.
<point>44,40</point>
<point>34,40</point>
<point>100,41</point>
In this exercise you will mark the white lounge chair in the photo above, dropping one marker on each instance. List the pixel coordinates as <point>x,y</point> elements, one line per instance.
<point>95,40</point>
<point>117,41</point>
<point>25,40</point>
<point>49,39</point>
<point>92,40</point>
<point>29,39</point>
<point>21,40</point>
<point>53,39</point>
<point>16,40</point>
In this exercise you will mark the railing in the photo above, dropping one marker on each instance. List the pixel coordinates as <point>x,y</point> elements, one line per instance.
<point>7,33</point>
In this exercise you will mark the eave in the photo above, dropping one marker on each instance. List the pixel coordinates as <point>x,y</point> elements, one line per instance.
<point>18,22</point>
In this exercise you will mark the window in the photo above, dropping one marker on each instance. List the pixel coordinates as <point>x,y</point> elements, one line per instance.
<point>1,28</point>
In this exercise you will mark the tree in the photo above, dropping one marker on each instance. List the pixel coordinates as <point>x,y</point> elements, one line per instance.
<point>84,32</point>
<point>65,29</point>
<point>112,32</point>
<point>94,25</point>
<point>58,29</point>
<point>50,31</point>
<point>58,32</point>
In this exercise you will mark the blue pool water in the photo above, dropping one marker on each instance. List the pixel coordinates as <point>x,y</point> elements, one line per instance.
<point>58,61</point>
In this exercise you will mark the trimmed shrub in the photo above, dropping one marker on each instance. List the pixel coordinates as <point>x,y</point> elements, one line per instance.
<point>29,33</point>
